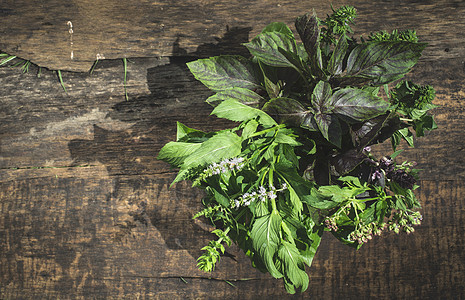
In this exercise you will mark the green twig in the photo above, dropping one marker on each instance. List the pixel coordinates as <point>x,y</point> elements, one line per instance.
<point>230,283</point>
<point>61,80</point>
<point>7,58</point>
<point>183,280</point>
<point>125,64</point>
<point>93,67</point>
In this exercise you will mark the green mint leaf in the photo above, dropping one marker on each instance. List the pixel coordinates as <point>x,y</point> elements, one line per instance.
<point>239,94</point>
<point>407,136</point>
<point>426,122</point>
<point>357,104</point>
<point>315,236</point>
<point>249,129</point>
<point>266,46</point>
<point>233,110</point>
<point>219,196</point>
<point>291,112</point>
<point>293,267</point>
<point>283,138</point>
<point>265,240</point>
<point>395,140</point>
<point>221,146</point>
<point>381,62</point>
<point>223,72</point>
<point>186,134</point>
<point>320,201</point>
<point>175,153</point>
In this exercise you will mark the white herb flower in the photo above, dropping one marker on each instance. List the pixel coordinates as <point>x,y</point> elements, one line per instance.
<point>261,195</point>
<point>223,167</point>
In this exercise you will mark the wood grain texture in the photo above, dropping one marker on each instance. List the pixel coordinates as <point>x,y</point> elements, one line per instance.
<point>39,30</point>
<point>86,212</point>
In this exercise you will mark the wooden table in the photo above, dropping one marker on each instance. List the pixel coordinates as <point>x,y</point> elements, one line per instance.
<point>86,209</point>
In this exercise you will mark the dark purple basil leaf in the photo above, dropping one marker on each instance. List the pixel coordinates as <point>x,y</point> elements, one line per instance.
<point>329,127</point>
<point>309,32</point>
<point>308,28</point>
<point>223,72</point>
<point>382,62</point>
<point>291,112</point>
<point>363,133</point>
<point>265,47</point>
<point>321,172</point>
<point>336,62</point>
<point>295,60</point>
<point>244,96</point>
<point>321,95</point>
<point>345,162</point>
<point>381,131</point>
<point>357,104</point>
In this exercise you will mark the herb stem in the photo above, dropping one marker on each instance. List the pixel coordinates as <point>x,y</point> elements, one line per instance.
<point>226,231</point>
<point>406,119</point>
<point>267,130</point>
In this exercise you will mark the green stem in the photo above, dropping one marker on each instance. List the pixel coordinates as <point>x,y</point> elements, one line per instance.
<point>226,231</point>
<point>61,80</point>
<point>267,130</point>
<point>406,119</point>
<point>125,64</point>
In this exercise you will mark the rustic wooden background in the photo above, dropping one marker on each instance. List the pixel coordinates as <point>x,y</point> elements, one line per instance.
<point>85,208</point>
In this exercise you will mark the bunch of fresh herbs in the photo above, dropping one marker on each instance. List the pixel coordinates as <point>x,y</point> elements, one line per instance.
<point>299,161</point>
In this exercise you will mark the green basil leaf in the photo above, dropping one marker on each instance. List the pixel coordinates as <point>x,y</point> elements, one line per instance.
<point>223,72</point>
<point>293,266</point>
<point>283,138</point>
<point>265,47</point>
<point>239,94</point>
<point>249,129</point>
<point>265,239</point>
<point>379,63</point>
<point>233,110</point>
<point>320,201</point>
<point>175,153</point>
<point>357,104</point>
<point>407,135</point>
<point>186,134</point>
<point>223,145</point>
<point>279,27</point>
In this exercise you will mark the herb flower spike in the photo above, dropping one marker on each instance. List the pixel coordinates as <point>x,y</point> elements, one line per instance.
<point>227,165</point>
<point>299,161</point>
<point>261,195</point>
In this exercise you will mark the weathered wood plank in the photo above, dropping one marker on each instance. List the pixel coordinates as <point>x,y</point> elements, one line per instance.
<point>44,127</point>
<point>38,30</point>
<point>85,209</point>
<point>84,231</point>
